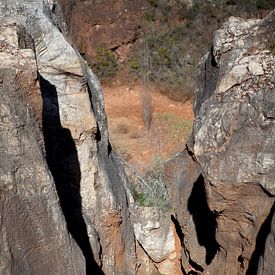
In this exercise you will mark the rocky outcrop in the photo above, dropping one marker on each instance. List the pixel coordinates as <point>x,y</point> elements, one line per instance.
<point>61,184</point>
<point>224,195</point>
<point>34,237</point>
<point>157,236</point>
<point>64,204</point>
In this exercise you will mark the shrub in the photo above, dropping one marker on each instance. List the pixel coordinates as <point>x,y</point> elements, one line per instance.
<point>265,4</point>
<point>164,60</point>
<point>153,3</point>
<point>150,190</point>
<point>105,65</point>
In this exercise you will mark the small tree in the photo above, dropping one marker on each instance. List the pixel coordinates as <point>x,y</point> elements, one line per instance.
<point>146,96</point>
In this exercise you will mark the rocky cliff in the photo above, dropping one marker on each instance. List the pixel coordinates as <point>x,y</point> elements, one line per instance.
<point>66,205</point>
<point>223,183</point>
<point>63,204</point>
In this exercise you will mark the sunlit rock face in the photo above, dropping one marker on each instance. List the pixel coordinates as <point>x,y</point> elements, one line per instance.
<point>224,201</point>
<point>63,200</point>
<point>34,235</point>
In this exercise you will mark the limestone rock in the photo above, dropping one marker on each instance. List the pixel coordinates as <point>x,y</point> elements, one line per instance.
<point>156,234</point>
<point>66,206</point>
<point>67,147</point>
<point>266,260</point>
<point>34,237</point>
<point>230,156</point>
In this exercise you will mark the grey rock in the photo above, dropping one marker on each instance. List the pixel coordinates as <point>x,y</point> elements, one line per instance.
<point>81,171</point>
<point>232,149</point>
<point>156,234</point>
<point>34,237</point>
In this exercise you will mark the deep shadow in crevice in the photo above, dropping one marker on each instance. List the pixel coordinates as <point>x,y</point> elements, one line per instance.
<point>197,267</point>
<point>204,219</point>
<point>62,159</point>
<point>260,243</point>
<point>213,61</point>
<point>178,229</point>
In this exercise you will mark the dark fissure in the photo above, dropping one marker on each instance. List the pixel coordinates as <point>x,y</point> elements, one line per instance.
<point>260,243</point>
<point>204,219</point>
<point>62,159</point>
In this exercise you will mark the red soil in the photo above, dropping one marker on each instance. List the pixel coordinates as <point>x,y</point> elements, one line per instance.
<point>171,124</point>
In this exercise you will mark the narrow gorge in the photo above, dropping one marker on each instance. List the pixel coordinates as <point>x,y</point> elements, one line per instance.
<point>67,202</point>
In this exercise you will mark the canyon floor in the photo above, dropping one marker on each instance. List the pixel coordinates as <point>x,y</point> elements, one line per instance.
<point>171,124</point>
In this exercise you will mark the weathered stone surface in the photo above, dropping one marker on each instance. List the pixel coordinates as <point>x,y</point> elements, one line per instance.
<point>266,260</point>
<point>70,113</point>
<point>158,246</point>
<point>65,202</point>
<point>233,150</point>
<point>144,263</point>
<point>34,237</point>
<point>194,221</point>
<point>157,236</point>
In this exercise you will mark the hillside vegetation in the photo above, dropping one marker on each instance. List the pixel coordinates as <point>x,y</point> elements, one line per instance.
<point>175,38</point>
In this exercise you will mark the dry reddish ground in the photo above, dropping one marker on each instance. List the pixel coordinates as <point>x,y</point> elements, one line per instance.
<point>171,125</point>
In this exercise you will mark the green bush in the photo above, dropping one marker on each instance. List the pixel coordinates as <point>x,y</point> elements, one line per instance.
<point>150,190</point>
<point>164,60</point>
<point>134,64</point>
<point>265,4</point>
<point>105,65</point>
<point>154,3</point>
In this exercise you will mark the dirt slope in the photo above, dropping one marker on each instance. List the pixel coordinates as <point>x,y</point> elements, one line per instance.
<point>172,123</point>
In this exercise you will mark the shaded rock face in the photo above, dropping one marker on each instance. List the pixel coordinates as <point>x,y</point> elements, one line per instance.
<point>34,237</point>
<point>224,195</point>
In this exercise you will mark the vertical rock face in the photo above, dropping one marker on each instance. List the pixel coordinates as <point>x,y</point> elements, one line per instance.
<point>225,197</point>
<point>34,237</point>
<point>63,201</point>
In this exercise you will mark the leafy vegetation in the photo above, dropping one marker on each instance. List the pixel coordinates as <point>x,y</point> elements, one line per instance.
<point>177,36</point>
<point>150,190</point>
<point>105,65</point>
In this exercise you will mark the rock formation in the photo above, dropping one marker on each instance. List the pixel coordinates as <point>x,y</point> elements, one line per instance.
<point>223,184</point>
<point>34,237</point>
<point>66,203</point>
<point>55,150</point>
